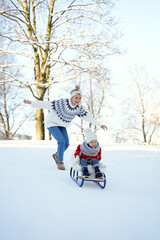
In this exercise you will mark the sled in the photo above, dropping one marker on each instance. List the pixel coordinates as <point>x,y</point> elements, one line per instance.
<point>79,178</point>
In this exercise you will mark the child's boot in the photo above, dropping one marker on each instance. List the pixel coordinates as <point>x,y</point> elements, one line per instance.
<point>85,172</point>
<point>98,173</point>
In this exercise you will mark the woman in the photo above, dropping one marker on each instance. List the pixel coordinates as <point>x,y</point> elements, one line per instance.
<point>62,112</point>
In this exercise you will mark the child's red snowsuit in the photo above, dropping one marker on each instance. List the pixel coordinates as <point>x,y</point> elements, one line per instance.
<point>87,157</point>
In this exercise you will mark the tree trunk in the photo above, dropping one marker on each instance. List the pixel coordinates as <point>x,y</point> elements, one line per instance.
<point>40,133</point>
<point>143,129</point>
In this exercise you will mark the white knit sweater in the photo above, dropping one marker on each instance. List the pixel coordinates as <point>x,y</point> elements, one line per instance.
<point>62,112</point>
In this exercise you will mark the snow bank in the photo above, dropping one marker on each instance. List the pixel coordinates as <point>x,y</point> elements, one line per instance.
<point>39,202</point>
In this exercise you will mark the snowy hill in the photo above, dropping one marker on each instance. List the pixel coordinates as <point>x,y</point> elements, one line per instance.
<point>39,202</point>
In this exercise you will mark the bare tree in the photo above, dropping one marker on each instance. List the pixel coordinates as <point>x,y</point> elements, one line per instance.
<point>142,113</point>
<point>11,117</point>
<point>95,85</point>
<point>50,34</point>
<point>96,91</point>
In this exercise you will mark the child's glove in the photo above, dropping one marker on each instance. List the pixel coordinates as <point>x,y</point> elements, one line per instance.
<point>76,159</point>
<point>102,166</point>
<point>75,162</point>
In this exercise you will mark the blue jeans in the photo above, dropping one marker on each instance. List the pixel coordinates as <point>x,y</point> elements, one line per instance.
<point>61,136</point>
<point>94,163</point>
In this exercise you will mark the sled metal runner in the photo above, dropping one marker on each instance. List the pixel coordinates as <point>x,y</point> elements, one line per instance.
<point>80,179</point>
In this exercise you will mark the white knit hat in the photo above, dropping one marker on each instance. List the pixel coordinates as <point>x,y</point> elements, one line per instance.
<point>76,91</point>
<point>90,136</point>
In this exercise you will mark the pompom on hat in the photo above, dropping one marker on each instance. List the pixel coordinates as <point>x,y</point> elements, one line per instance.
<point>90,136</point>
<point>76,91</point>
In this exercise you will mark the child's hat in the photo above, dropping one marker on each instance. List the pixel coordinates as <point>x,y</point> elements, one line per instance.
<point>90,136</point>
<point>76,91</point>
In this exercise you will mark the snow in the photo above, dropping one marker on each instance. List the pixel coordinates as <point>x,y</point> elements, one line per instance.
<point>37,201</point>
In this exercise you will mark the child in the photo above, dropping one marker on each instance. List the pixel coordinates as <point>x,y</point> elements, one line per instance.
<point>89,153</point>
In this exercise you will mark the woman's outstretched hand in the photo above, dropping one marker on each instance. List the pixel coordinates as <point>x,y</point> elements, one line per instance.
<point>104,127</point>
<point>27,102</point>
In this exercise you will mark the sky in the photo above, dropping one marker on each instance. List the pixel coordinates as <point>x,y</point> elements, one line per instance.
<point>138,22</point>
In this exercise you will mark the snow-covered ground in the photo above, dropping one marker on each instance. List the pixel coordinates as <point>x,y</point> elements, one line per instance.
<point>39,202</point>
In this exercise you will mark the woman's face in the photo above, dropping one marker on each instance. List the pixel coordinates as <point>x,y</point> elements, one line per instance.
<point>76,99</point>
